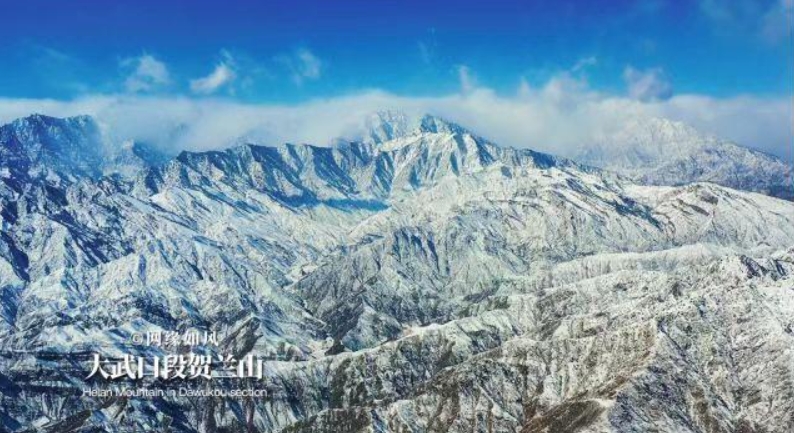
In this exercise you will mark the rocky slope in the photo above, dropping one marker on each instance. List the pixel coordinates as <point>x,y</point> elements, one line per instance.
<point>422,279</point>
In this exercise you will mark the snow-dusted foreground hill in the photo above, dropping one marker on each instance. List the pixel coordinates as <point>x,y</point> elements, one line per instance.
<point>424,279</point>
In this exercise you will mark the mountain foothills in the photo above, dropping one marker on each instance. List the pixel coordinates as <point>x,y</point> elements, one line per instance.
<point>418,279</point>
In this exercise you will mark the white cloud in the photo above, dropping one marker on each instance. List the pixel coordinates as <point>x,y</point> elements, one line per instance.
<point>147,74</point>
<point>309,64</point>
<point>302,65</point>
<point>557,117</point>
<point>222,76</point>
<point>584,63</point>
<point>524,89</point>
<point>466,79</point>
<point>425,52</point>
<point>778,21</point>
<point>428,47</point>
<point>647,85</point>
<point>768,19</point>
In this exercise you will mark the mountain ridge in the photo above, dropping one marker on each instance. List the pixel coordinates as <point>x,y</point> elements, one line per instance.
<point>436,279</point>
<point>653,151</point>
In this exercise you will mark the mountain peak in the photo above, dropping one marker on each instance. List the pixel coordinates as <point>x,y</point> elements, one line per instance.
<point>36,120</point>
<point>383,126</point>
<point>668,152</point>
<point>660,130</point>
<point>437,125</point>
<point>388,125</point>
<point>40,146</point>
<point>53,135</point>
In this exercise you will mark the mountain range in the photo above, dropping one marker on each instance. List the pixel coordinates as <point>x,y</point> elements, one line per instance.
<point>420,278</point>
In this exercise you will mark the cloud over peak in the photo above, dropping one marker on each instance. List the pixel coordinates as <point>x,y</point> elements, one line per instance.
<point>558,116</point>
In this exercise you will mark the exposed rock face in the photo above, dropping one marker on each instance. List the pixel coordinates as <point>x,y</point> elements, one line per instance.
<point>424,279</point>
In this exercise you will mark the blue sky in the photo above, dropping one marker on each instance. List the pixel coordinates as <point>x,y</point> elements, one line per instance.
<point>64,49</point>
<point>652,53</point>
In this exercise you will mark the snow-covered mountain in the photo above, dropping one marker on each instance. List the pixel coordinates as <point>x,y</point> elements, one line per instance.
<point>420,279</point>
<point>43,147</point>
<point>664,152</point>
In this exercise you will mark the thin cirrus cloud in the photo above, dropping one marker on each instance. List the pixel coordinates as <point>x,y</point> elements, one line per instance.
<point>220,77</point>
<point>147,74</point>
<point>302,65</point>
<point>468,81</point>
<point>769,19</point>
<point>777,21</point>
<point>584,63</point>
<point>647,85</point>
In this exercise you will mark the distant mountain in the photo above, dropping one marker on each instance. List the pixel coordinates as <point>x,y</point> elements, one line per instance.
<point>41,147</point>
<point>38,145</point>
<point>417,278</point>
<point>664,152</point>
